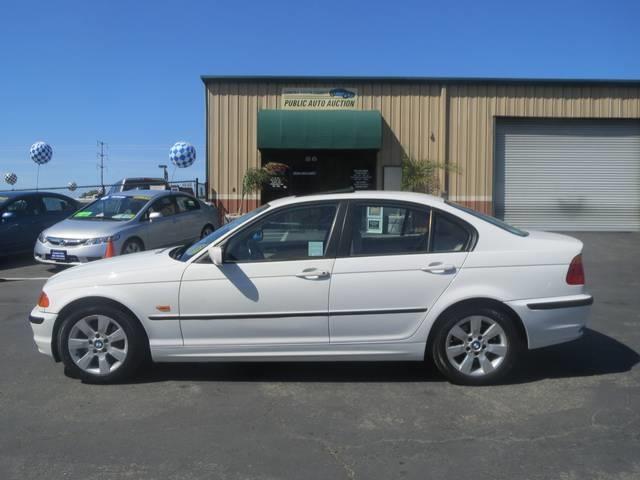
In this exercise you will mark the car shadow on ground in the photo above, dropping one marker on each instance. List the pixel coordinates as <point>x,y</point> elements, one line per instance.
<point>26,260</point>
<point>593,354</point>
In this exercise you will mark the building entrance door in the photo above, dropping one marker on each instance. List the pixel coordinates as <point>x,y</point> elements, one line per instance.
<point>315,171</point>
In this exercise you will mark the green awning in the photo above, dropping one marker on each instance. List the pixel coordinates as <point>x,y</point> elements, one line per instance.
<point>320,129</point>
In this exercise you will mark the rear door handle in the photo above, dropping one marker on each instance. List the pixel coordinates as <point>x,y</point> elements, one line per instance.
<point>312,274</point>
<point>439,268</point>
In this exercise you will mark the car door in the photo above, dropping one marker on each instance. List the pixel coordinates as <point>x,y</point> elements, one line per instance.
<point>20,231</point>
<point>190,219</point>
<point>388,273</point>
<point>273,285</point>
<point>162,231</point>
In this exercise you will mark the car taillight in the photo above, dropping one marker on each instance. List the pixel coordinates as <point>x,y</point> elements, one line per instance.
<point>43,301</point>
<point>575,275</point>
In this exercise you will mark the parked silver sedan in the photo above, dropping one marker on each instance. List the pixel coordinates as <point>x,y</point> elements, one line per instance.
<point>126,222</point>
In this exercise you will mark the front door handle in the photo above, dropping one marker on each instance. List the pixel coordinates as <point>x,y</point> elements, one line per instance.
<point>312,274</point>
<point>439,268</point>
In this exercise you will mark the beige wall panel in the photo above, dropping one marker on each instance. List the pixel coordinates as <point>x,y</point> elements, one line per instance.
<point>462,123</point>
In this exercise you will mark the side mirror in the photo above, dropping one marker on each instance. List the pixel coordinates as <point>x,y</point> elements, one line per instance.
<point>8,216</point>
<point>215,254</point>
<point>154,215</point>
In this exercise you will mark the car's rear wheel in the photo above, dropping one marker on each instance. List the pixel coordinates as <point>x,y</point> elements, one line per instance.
<point>133,245</point>
<point>101,344</point>
<point>207,230</point>
<point>476,346</point>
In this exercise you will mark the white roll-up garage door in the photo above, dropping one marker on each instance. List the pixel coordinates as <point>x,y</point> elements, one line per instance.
<point>568,175</point>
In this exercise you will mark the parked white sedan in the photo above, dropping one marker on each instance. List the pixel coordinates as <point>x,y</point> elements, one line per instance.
<point>357,276</point>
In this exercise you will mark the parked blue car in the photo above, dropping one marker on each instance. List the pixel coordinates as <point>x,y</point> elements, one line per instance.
<point>23,215</point>
<point>342,92</point>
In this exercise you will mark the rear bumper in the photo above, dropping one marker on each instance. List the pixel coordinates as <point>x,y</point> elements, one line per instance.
<point>549,321</point>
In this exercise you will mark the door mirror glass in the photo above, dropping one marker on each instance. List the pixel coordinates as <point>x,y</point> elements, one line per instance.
<point>154,215</point>
<point>215,254</point>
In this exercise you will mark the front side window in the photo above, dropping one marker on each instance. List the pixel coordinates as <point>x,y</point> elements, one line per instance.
<point>290,234</point>
<point>387,229</point>
<point>29,206</point>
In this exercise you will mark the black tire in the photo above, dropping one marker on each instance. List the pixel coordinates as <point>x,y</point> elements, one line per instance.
<point>132,243</point>
<point>514,350</point>
<point>206,230</point>
<point>137,345</point>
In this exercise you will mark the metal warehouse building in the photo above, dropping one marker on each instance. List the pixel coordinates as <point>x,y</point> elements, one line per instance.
<point>545,154</point>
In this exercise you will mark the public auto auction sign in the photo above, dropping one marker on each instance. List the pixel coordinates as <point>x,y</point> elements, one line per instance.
<point>319,98</point>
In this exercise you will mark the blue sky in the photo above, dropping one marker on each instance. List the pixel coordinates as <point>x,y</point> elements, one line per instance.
<point>128,72</point>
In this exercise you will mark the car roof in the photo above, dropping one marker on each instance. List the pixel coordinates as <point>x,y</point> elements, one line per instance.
<point>23,193</point>
<point>363,195</point>
<point>139,191</point>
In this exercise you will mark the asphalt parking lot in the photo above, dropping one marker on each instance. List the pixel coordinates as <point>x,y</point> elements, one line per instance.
<point>572,412</point>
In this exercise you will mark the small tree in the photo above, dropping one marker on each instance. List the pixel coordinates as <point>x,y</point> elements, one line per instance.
<point>423,175</point>
<point>252,182</point>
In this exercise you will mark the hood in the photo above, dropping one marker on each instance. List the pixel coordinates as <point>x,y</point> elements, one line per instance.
<point>145,267</point>
<point>70,228</point>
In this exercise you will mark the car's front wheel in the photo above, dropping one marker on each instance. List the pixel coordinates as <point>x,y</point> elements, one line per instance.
<point>133,245</point>
<point>476,346</point>
<point>101,344</point>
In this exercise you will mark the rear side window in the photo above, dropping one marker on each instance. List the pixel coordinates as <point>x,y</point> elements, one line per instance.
<point>186,204</point>
<point>387,229</point>
<point>448,234</point>
<point>56,204</point>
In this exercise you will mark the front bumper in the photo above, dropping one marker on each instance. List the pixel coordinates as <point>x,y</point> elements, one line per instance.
<point>549,321</point>
<point>42,325</point>
<point>76,255</point>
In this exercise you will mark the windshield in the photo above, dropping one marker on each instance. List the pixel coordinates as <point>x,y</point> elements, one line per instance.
<point>117,208</point>
<point>491,220</point>
<point>185,253</point>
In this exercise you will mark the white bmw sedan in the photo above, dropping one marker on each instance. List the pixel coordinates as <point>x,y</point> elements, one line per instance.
<point>356,276</point>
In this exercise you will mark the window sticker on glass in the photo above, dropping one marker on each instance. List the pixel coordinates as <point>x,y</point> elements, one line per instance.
<point>316,249</point>
<point>123,216</point>
<point>141,197</point>
<point>83,214</point>
<point>374,219</point>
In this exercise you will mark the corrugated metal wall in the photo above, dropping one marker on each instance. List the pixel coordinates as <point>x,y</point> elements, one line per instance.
<point>418,117</point>
<point>473,108</point>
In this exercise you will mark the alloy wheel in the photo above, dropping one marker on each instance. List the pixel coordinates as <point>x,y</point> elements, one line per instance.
<point>476,345</point>
<point>98,344</point>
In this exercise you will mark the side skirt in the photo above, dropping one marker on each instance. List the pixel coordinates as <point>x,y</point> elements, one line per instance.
<point>297,353</point>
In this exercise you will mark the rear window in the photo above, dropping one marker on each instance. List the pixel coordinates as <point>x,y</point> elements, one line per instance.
<point>492,220</point>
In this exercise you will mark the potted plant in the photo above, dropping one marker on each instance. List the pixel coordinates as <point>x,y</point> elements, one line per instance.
<point>423,175</point>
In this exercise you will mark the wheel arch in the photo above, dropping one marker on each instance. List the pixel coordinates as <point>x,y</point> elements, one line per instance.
<point>89,302</point>
<point>134,237</point>
<point>476,302</point>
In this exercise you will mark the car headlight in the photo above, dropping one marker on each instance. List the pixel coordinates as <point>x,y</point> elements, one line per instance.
<point>101,240</point>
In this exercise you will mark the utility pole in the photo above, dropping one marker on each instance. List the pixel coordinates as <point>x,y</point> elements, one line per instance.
<point>101,155</point>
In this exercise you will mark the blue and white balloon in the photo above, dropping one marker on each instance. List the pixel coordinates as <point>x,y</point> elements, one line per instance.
<point>72,186</point>
<point>11,178</point>
<point>182,154</point>
<point>41,153</point>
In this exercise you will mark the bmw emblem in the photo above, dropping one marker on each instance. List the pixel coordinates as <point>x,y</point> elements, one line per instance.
<point>98,344</point>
